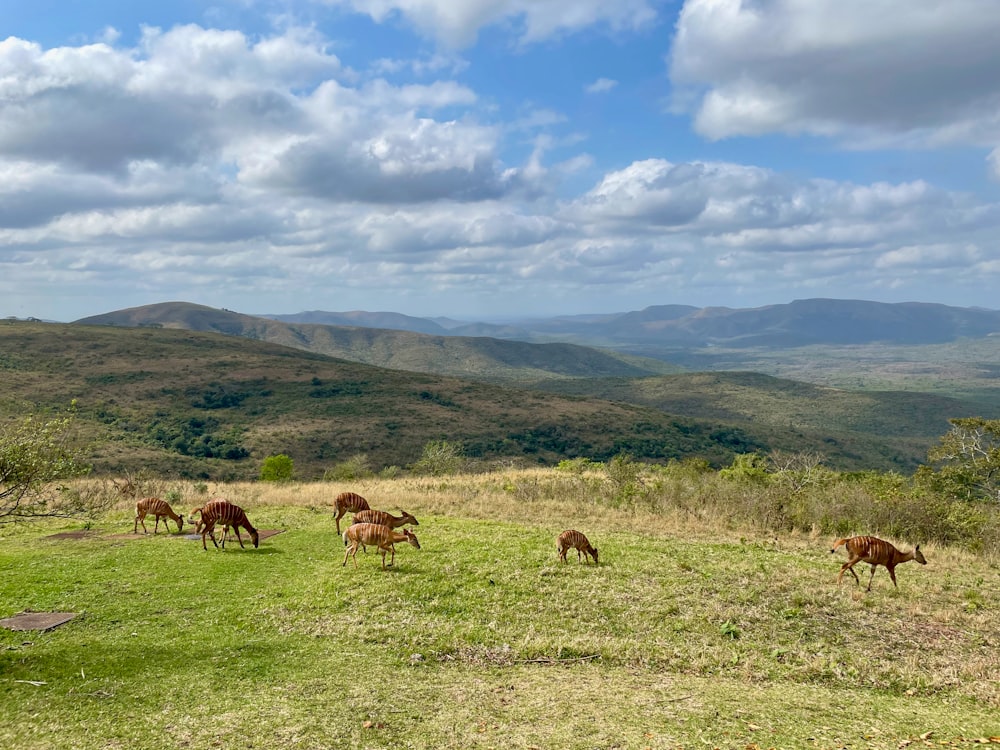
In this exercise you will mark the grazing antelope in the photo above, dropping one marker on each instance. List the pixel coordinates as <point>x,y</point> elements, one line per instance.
<point>876,552</point>
<point>348,502</point>
<point>199,523</point>
<point>384,518</point>
<point>377,534</point>
<point>571,539</point>
<point>158,508</point>
<point>224,512</point>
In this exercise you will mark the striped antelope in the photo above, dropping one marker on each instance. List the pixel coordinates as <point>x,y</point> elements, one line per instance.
<point>876,552</point>
<point>160,509</point>
<point>348,502</point>
<point>572,539</point>
<point>384,518</point>
<point>200,522</point>
<point>224,512</point>
<point>377,534</point>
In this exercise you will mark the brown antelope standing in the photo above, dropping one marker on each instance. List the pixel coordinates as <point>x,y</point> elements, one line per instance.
<point>377,534</point>
<point>385,518</point>
<point>876,552</point>
<point>572,539</point>
<point>224,512</point>
<point>348,502</point>
<point>160,509</point>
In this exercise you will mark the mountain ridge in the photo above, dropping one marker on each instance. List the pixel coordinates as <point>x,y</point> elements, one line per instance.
<point>485,358</point>
<point>797,323</point>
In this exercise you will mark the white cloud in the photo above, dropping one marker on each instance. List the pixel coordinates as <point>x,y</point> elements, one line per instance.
<point>601,86</point>
<point>272,109</point>
<point>993,160</point>
<point>903,72</point>
<point>269,175</point>
<point>456,23</point>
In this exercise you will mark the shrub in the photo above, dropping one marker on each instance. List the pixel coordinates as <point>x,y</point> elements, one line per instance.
<point>34,454</point>
<point>440,458</point>
<point>356,467</point>
<point>279,468</point>
<point>747,467</point>
<point>575,465</point>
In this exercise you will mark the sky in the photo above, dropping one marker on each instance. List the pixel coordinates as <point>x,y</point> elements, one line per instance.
<point>494,159</point>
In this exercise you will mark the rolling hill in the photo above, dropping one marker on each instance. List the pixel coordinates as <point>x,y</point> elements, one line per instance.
<point>489,359</point>
<point>210,405</point>
<point>200,404</point>
<point>796,324</point>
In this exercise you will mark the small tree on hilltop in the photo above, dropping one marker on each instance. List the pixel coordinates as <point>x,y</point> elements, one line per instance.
<point>279,468</point>
<point>34,455</point>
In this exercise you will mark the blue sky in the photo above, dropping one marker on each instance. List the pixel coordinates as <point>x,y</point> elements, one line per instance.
<point>487,159</point>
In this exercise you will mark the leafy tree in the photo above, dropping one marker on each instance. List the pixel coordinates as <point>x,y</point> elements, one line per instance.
<point>968,459</point>
<point>747,467</point>
<point>625,477</point>
<point>575,465</point>
<point>356,467</point>
<point>279,468</point>
<point>34,455</point>
<point>440,458</point>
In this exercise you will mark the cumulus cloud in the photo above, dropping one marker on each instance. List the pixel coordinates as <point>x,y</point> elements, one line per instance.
<point>901,72</point>
<point>456,23</point>
<point>269,172</point>
<point>601,86</point>
<point>271,108</point>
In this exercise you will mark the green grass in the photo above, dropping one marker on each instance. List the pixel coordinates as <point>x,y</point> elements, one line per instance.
<point>482,639</point>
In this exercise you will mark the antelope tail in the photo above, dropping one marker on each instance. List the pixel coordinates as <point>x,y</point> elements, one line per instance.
<point>836,544</point>
<point>345,538</point>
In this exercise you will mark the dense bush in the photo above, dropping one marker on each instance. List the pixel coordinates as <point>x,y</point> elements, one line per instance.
<point>198,437</point>
<point>752,492</point>
<point>356,467</point>
<point>279,468</point>
<point>439,458</point>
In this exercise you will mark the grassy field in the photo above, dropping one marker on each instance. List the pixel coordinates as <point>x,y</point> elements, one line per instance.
<point>690,633</point>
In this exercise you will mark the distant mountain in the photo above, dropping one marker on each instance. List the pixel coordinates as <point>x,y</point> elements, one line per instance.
<point>484,358</point>
<point>799,323</point>
<point>780,340</point>
<point>359,318</point>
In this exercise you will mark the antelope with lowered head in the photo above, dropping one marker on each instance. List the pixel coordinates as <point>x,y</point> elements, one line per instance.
<point>875,552</point>
<point>224,512</point>
<point>200,522</point>
<point>375,533</point>
<point>156,507</point>
<point>348,502</point>
<point>572,539</point>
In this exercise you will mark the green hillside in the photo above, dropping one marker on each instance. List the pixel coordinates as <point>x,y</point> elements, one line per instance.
<point>209,405</point>
<point>197,404</point>
<point>490,359</point>
<point>749,397</point>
